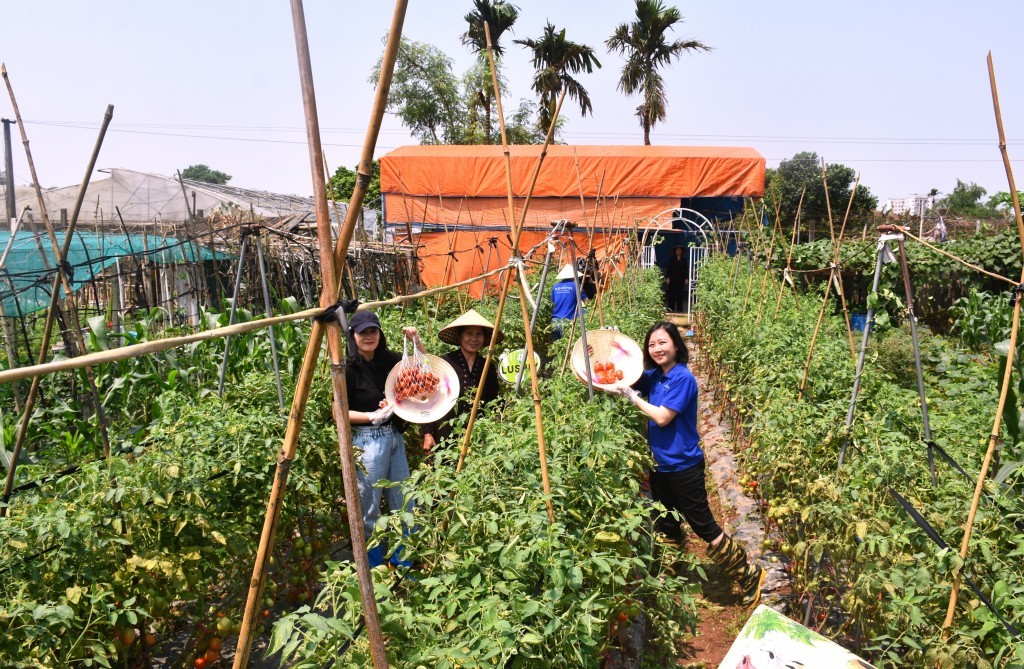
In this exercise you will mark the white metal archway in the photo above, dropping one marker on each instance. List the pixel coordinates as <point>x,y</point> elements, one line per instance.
<point>695,222</point>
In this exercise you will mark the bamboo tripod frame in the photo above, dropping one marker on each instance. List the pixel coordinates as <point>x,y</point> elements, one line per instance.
<point>786,274</point>
<point>330,263</point>
<point>51,312</point>
<point>509,277</point>
<point>833,278</point>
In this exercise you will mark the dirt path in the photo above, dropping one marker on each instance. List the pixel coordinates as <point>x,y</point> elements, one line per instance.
<point>721,613</point>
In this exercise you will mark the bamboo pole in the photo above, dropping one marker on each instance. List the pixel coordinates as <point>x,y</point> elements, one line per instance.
<point>776,229</point>
<point>750,264</point>
<point>60,253</point>
<point>51,313</point>
<point>994,436</point>
<point>833,273</point>
<point>448,240</point>
<point>789,258</point>
<point>590,234</point>
<point>509,278</point>
<point>138,350</point>
<point>329,270</point>
<point>839,275</point>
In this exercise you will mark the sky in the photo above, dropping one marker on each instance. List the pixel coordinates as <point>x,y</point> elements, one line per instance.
<point>898,90</point>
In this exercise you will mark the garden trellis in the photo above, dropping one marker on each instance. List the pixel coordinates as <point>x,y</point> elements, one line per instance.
<point>835,511</point>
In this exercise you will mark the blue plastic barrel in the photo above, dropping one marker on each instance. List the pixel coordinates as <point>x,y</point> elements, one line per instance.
<point>858,321</point>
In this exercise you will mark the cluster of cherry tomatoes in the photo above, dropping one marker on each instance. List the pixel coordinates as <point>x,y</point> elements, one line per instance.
<point>416,382</point>
<point>605,373</point>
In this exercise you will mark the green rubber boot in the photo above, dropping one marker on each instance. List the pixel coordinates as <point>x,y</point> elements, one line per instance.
<point>731,557</point>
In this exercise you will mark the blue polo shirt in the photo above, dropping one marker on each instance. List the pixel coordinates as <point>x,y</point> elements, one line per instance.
<point>677,445</point>
<point>563,294</point>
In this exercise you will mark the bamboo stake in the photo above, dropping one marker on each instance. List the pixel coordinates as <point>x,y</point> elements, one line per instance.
<point>590,233</point>
<point>517,230</point>
<point>839,274</point>
<point>60,253</point>
<point>832,277</point>
<point>789,258</point>
<point>976,268</point>
<point>329,271</point>
<point>51,313</point>
<point>448,240</point>
<point>994,436</point>
<point>776,229</point>
<point>138,350</point>
<point>750,264</point>
<point>568,349</point>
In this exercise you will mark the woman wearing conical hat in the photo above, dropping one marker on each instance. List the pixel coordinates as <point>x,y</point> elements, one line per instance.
<point>471,332</point>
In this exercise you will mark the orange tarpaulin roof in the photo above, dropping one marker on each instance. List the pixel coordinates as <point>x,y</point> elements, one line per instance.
<point>611,171</point>
<point>447,258</point>
<point>604,213</point>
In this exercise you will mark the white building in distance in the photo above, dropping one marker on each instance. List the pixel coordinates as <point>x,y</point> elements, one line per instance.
<point>914,205</point>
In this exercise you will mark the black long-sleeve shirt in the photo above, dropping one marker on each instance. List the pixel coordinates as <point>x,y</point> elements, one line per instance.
<point>469,379</point>
<point>365,379</point>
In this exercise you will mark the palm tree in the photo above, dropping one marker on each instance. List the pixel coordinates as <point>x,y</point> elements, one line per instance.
<point>499,17</point>
<point>556,60</point>
<point>646,48</point>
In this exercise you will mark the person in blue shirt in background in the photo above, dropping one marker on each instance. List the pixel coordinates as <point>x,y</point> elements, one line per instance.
<point>677,481</point>
<point>563,298</point>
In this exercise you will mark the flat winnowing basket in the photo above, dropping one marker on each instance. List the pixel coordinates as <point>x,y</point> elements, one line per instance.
<point>426,408</point>
<point>608,346</point>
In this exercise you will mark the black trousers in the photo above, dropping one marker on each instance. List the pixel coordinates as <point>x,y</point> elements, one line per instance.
<point>685,493</point>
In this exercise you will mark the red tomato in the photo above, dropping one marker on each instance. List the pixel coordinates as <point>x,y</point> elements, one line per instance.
<point>127,635</point>
<point>200,663</point>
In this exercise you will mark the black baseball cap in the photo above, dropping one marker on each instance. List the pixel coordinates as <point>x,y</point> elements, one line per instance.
<point>362,320</point>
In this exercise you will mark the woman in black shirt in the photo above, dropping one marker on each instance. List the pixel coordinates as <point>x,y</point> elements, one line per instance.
<point>470,332</point>
<point>375,432</point>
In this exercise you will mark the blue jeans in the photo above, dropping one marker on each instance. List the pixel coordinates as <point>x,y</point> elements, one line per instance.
<point>383,458</point>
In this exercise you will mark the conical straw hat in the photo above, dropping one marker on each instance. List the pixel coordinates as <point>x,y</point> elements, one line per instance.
<point>450,334</point>
<point>564,273</point>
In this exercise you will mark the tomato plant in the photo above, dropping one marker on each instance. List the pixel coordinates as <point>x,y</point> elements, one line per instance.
<point>863,572</point>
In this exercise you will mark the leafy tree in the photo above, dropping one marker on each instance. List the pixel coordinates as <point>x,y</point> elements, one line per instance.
<point>343,182</point>
<point>803,171</point>
<point>201,172</point>
<point>645,45</point>
<point>556,60</point>
<point>425,94</point>
<point>524,126</point>
<point>1001,202</point>
<point>440,108</point>
<point>965,201</point>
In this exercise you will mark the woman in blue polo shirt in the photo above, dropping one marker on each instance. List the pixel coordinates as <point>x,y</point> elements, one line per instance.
<point>677,481</point>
